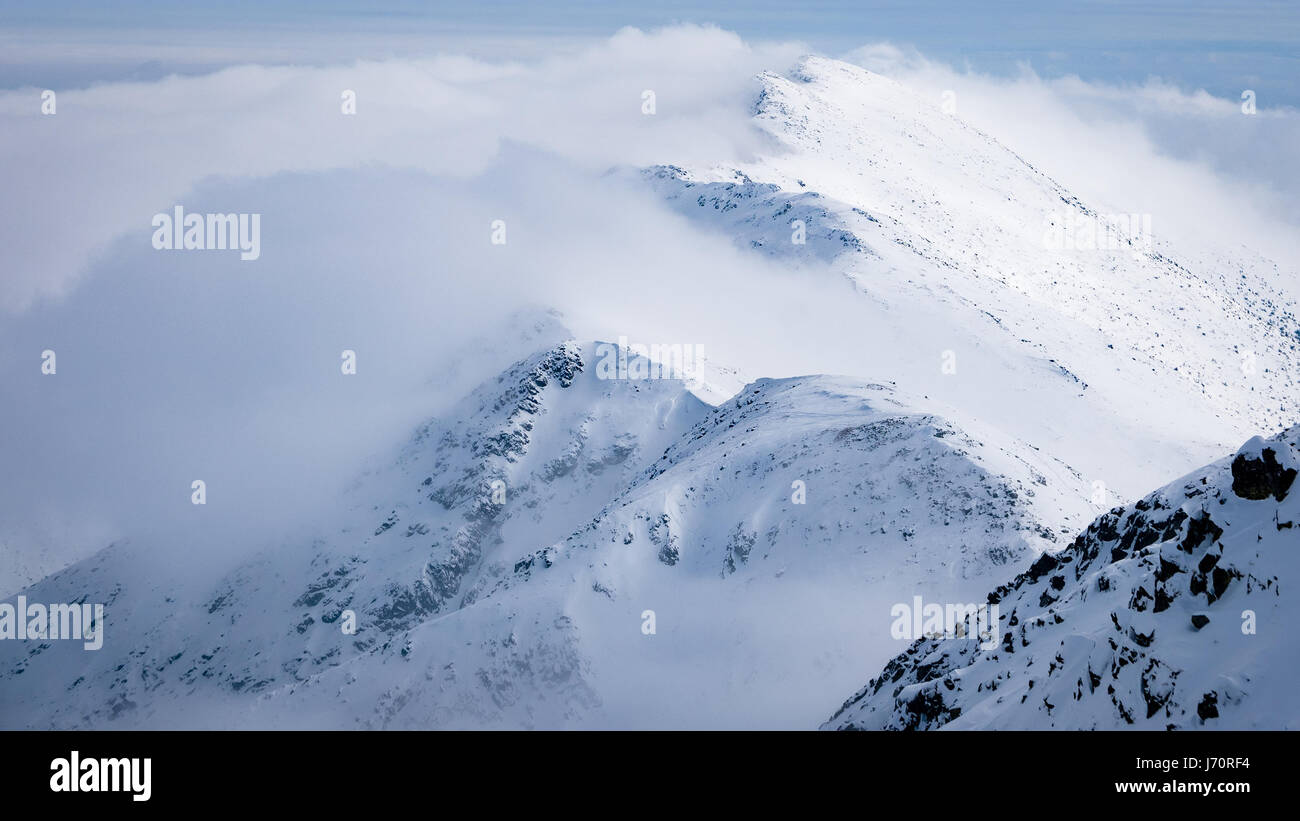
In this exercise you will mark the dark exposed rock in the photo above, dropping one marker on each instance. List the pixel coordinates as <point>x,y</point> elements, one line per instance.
<point>1209,706</point>
<point>1261,478</point>
<point>1197,531</point>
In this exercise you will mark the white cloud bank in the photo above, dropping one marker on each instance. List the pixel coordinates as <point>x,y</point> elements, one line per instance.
<point>114,155</point>
<point>375,237</point>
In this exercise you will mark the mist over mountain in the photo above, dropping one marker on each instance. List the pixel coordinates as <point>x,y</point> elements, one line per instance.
<point>746,371</point>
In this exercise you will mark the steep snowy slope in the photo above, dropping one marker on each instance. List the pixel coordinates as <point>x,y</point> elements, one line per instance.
<point>763,535</point>
<point>1173,612</point>
<point>1067,325</point>
<point>418,528</point>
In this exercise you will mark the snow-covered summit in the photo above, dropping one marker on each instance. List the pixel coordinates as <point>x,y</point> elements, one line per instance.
<point>955,242</point>
<point>511,549</point>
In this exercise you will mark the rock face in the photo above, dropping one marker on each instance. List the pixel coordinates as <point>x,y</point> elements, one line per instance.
<point>1174,612</point>
<point>1259,476</point>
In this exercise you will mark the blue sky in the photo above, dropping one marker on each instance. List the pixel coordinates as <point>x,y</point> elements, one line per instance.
<point>1223,47</point>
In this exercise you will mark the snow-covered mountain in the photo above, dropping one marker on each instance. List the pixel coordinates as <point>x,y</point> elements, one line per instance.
<point>955,243</point>
<point>500,569</point>
<point>1170,613</point>
<point>564,549</point>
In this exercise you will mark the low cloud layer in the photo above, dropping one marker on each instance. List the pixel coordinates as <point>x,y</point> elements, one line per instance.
<point>376,238</point>
<point>111,156</point>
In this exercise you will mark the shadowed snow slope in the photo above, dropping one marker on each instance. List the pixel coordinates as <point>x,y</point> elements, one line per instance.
<point>1172,612</point>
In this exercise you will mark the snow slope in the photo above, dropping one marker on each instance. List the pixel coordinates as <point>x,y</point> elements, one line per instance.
<point>1170,613</point>
<point>621,496</point>
<point>951,240</point>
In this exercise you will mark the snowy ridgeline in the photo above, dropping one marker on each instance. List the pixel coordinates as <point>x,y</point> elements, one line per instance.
<point>764,594</point>
<point>566,550</point>
<point>571,546</point>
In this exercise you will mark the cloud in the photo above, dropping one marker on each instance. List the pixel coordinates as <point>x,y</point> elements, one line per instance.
<point>1196,162</point>
<point>181,365</point>
<point>115,154</point>
<point>177,366</point>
